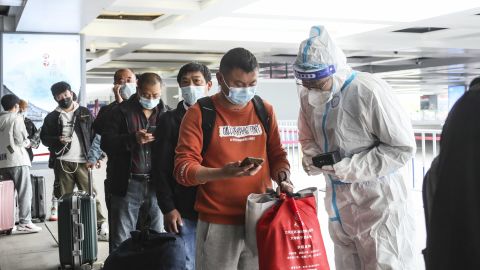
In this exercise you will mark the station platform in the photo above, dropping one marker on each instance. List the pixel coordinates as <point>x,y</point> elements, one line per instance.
<point>39,251</point>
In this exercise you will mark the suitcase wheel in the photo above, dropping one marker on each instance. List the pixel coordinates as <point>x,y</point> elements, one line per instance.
<point>9,231</point>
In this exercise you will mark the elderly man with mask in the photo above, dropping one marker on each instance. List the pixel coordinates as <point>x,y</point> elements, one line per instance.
<point>128,141</point>
<point>356,115</point>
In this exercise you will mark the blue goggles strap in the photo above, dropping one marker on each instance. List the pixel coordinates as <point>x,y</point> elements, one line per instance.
<point>315,75</point>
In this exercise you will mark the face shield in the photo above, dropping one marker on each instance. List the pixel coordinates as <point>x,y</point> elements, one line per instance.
<point>317,84</point>
<point>317,66</point>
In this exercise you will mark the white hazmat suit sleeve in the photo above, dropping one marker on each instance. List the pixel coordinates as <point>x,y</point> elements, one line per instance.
<point>388,122</point>
<point>309,146</point>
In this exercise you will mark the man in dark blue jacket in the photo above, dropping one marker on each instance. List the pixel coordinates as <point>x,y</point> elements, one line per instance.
<point>177,201</point>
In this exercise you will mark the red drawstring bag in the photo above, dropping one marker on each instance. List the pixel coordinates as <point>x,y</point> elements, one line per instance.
<point>289,236</point>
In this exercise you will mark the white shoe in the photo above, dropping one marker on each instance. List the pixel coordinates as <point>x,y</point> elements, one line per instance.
<point>102,232</point>
<point>28,228</point>
<point>53,215</point>
<point>53,210</point>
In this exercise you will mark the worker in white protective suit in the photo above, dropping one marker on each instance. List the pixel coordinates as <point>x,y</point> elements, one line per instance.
<point>356,114</point>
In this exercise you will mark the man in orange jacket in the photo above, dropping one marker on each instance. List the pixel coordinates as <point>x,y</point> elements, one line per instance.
<point>223,183</point>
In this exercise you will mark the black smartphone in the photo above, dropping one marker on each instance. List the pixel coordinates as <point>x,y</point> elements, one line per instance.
<point>251,160</point>
<point>324,159</point>
<point>151,129</point>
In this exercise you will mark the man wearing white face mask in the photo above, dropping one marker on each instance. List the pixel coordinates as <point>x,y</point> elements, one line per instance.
<point>356,115</point>
<point>237,131</point>
<point>124,86</point>
<point>177,201</point>
<point>128,140</point>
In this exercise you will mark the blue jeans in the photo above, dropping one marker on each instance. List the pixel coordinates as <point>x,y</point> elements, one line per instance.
<point>125,210</point>
<point>188,234</point>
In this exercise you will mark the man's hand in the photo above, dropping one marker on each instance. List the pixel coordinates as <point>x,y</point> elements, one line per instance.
<point>328,169</point>
<point>116,92</point>
<point>172,221</point>
<point>308,166</point>
<point>233,169</point>
<point>282,178</point>
<point>65,140</point>
<point>144,137</point>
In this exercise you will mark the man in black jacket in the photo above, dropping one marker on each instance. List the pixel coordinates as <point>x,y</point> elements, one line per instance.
<point>127,140</point>
<point>124,86</point>
<point>67,133</point>
<point>177,201</point>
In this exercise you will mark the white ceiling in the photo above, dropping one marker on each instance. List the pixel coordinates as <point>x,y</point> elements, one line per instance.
<point>202,30</point>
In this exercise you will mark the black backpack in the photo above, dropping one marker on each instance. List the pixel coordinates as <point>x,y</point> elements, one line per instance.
<point>209,115</point>
<point>148,250</point>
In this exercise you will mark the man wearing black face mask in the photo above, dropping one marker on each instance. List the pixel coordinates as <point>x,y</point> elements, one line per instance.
<point>67,133</point>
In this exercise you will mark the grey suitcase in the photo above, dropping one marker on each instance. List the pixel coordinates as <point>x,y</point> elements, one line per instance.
<point>77,228</point>
<point>38,198</point>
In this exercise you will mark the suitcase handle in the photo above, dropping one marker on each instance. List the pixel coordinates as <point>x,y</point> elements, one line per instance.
<point>81,235</point>
<point>90,182</point>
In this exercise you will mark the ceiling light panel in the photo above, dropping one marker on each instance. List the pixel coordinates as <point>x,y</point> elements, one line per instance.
<point>270,30</point>
<point>370,10</point>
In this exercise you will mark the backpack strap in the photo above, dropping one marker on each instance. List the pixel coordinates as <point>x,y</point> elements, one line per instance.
<point>261,113</point>
<point>208,120</point>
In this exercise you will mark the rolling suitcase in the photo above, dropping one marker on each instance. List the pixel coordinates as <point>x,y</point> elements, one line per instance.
<point>7,206</point>
<point>77,228</point>
<point>38,198</point>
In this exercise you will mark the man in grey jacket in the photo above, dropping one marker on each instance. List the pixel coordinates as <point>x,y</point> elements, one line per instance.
<point>14,160</point>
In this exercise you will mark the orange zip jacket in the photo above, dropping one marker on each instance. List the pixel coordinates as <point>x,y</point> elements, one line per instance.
<point>236,135</point>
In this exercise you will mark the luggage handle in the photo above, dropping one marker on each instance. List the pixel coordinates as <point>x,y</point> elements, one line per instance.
<point>90,182</point>
<point>80,228</point>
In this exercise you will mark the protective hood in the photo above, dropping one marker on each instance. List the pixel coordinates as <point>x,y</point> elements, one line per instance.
<point>319,55</point>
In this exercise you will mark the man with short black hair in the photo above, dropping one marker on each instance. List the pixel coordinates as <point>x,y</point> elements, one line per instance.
<point>14,160</point>
<point>127,140</point>
<point>67,133</point>
<point>223,183</point>
<point>177,201</point>
<point>474,84</point>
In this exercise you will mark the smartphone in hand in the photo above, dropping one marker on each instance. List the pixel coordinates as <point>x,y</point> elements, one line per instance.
<point>324,159</point>
<point>251,160</point>
<point>151,129</point>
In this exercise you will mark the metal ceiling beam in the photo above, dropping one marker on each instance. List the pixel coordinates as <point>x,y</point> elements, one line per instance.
<point>112,55</point>
<point>427,63</point>
<point>178,57</point>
